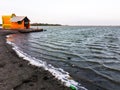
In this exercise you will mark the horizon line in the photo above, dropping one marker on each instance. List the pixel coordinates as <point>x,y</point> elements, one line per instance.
<point>77,25</point>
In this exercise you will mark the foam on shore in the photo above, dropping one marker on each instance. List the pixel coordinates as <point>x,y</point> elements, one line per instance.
<point>59,73</point>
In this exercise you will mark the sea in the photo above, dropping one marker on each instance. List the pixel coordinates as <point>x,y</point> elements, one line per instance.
<point>85,57</point>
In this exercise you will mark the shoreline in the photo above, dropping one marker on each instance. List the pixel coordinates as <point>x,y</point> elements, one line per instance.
<point>18,74</point>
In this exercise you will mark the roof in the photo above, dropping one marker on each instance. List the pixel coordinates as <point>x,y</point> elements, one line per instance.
<point>18,18</point>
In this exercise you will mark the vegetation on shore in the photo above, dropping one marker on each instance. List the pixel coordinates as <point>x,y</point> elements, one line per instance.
<point>44,24</point>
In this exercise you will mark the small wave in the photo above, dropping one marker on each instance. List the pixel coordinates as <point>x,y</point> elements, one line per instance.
<point>51,53</point>
<point>49,45</point>
<point>110,75</point>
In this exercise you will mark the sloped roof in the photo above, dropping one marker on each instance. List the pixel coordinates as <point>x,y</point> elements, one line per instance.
<point>18,18</point>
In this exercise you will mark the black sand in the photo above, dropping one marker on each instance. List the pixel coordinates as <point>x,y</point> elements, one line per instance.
<point>18,74</point>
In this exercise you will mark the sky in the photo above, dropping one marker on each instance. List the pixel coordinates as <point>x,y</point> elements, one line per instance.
<point>66,12</point>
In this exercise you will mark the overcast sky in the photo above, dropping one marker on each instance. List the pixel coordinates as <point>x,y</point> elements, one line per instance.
<point>70,12</point>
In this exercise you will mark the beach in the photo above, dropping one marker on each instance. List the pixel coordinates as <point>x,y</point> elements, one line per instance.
<point>18,74</point>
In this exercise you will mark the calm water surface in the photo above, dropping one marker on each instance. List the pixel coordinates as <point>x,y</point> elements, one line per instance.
<point>90,54</point>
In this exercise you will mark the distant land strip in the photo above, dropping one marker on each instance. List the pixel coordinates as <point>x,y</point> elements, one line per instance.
<point>44,24</point>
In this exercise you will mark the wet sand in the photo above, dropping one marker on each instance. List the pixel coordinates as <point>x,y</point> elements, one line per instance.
<point>18,74</point>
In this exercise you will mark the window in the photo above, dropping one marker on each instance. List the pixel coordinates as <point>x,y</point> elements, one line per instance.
<point>19,22</point>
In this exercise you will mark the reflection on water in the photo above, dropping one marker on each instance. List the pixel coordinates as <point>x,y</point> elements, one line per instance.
<point>89,54</point>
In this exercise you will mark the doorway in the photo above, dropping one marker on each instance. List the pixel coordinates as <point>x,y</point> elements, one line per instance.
<point>26,23</point>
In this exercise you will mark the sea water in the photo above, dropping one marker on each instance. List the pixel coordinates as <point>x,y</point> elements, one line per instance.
<point>78,55</point>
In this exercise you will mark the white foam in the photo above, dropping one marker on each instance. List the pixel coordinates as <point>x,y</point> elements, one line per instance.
<point>7,36</point>
<point>59,73</point>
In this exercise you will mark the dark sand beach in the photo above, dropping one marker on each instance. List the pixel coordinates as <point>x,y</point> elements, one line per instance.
<point>18,74</point>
